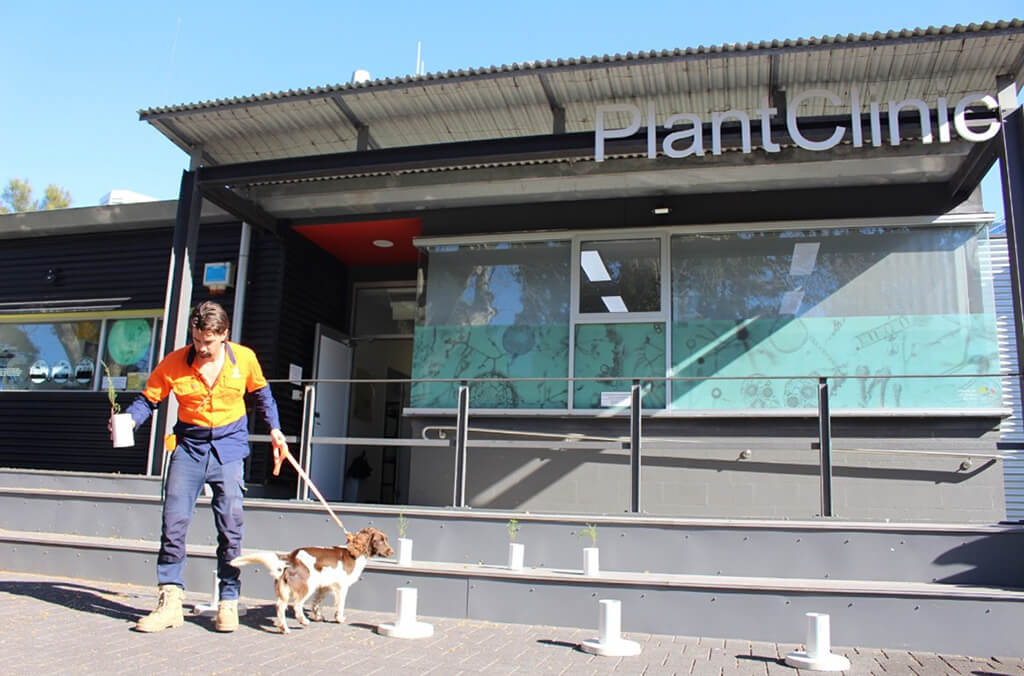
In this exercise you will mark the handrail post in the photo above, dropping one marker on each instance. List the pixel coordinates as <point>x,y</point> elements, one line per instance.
<point>825,445</point>
<point>635,409</point>
<point>306,440</point>
<point>460,442</point>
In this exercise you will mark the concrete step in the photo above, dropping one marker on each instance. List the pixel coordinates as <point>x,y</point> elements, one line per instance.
<point>951,553</point>
<point>962,619</point>
<point>132,484</point>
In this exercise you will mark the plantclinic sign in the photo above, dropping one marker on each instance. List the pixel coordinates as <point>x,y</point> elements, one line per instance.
<point>689,140</point>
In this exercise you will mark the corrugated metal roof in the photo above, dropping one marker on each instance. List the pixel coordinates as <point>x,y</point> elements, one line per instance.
<point>518,99</point>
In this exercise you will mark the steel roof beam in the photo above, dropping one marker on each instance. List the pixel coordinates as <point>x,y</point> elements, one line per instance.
<point>240,207</point>
<point>364,141</point>
<point>557,109</point>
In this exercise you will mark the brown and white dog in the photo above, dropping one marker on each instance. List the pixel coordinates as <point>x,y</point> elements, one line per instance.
<point>300,574</point>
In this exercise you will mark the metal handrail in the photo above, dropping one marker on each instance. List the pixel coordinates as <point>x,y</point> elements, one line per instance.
<point>635,443</point>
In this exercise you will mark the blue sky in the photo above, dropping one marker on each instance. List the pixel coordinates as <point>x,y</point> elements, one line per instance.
<point>75,74</point>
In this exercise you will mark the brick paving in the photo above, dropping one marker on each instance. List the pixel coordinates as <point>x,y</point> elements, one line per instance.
<point>56,625</point>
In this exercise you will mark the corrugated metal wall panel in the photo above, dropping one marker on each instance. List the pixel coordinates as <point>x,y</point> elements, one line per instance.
<point>1012,428</point>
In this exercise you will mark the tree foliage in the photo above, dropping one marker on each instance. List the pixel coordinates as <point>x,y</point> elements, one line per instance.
<point>17,197</point>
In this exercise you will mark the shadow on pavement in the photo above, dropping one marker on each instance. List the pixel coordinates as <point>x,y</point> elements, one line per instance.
<point>77,597</point>
<point>761,658</point>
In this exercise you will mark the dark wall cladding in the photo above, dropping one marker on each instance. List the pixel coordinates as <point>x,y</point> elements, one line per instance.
<point>66,431</point>
<point>297,286</point>
<point>131,265</point>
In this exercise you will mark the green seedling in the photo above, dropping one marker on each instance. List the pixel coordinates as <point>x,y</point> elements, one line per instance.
<point>591,531</point>
<point>403,524</point>
<point>115,407</point>
<point>513,529</point>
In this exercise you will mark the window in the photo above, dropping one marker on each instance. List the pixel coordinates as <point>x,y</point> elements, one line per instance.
<point>63,354</point>
<point>495,311</point>
<point>620,326</point>
<point>620,276</point>
<point>869,302</point>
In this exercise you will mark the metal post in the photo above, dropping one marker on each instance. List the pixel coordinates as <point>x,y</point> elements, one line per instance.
<point>825,443</point>
<point>460,441</point>
<point>635,410</point>
<point>1011,165</point>
<point>178,297</point>
<point>306,438</point>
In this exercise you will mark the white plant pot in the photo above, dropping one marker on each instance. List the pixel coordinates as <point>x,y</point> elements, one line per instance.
<point>404,552</point>
<point>122,430</point>
<point>590,562</point>
<point>515,555</point>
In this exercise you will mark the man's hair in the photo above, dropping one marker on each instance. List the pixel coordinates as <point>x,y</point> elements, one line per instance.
<point>209,316</point>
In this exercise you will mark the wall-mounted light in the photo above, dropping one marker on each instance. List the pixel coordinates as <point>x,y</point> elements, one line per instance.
<point>52,275</point>
<point>661,210</point>
<point>383,243</point>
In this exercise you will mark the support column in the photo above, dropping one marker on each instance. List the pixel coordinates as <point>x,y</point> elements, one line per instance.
<point>1011,170</point>
<point>179,292</point>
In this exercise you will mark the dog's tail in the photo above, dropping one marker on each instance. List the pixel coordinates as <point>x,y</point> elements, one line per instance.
<point>274,562</point>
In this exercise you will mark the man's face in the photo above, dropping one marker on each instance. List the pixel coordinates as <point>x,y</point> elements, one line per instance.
<point>208,344</point>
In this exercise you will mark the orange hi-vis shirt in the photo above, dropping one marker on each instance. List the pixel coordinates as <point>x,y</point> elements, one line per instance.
<point>209,416</point>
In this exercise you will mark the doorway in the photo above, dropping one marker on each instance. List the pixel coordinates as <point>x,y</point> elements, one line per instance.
<point>381,357</point>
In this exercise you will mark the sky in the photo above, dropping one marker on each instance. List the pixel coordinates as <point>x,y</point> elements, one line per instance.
<point>75,74</point>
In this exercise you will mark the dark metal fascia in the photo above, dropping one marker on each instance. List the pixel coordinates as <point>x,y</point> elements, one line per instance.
<point>437,155</point>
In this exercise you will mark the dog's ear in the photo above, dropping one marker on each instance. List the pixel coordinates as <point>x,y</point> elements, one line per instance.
<point>358,543</point>
<point>349,537</point>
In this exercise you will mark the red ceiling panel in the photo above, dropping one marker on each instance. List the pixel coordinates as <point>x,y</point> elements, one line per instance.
<point>353,243</point>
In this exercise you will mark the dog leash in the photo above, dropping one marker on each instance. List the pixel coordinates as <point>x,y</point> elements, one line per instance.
<point>309,482</point>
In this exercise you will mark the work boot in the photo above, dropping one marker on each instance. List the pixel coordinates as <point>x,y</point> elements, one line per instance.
<point>227,616</point>
<point>168,611</point>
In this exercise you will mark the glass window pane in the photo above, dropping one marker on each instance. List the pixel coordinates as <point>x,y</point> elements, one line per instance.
<point>129,352</point>
<point>618,350</point>
<point>385,311</point>
<point>495,311</point>
<point>878,302</point>
<point>53,356</point>
<point>620,276</point>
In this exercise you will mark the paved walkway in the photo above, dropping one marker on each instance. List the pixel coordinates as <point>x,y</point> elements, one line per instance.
<point>51,625</point>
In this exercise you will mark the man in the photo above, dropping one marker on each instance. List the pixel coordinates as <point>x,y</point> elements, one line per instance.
<point>209,378</point>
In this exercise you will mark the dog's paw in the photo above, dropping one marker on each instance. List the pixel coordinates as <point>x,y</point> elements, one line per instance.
<point>283,628</point>
<point>302,620</point>
<point>339,618</point>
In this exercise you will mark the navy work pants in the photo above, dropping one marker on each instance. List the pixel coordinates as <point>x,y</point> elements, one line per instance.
<point>185,478</point>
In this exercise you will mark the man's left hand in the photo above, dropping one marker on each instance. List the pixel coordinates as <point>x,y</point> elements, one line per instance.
<point>280,449</point>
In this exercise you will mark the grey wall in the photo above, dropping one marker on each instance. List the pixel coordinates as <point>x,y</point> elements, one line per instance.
<point>702,474</point>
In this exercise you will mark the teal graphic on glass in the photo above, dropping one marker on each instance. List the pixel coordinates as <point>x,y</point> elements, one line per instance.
<point>619,351</point>
<point>876,349</point>
<point>493,353</point>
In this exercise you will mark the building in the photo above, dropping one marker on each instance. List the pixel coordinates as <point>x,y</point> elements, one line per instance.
<point>728,226</point>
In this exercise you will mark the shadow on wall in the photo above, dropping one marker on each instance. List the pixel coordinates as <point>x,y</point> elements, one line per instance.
<point>991,560</point>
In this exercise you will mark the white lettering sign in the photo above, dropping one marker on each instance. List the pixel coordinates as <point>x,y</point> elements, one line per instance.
<point>689,139</point>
